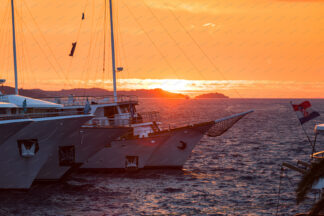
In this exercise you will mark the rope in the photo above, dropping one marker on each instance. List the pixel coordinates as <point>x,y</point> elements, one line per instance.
<point>20,46</point>
<point>77,37</point>
<point>313,146</point>
<point>199,47</point>
<point>97,46</point>
<point>175,42</point>
<point>49,48</point>
<point>90,46</point>
<point>98,51</point>
<point>152,41</point>
<point>5,32</point>
<point>27,57</point>
<point>104,47</point>
<point>279,189</point>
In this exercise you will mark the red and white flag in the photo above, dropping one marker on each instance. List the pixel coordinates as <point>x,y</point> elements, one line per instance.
<point>305,112</point>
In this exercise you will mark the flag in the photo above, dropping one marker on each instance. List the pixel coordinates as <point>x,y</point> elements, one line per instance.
<point>305,112</point>
<point>73,49</point>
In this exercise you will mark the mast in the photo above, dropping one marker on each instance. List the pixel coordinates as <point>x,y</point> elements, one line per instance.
<point>14,45</point>
<point>113,50</point>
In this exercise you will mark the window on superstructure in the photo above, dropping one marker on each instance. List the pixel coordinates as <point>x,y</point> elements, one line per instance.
<point>110,111</point>
<point>3,111</point>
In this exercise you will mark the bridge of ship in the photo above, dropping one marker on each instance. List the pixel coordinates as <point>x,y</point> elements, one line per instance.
<point>121,117</point>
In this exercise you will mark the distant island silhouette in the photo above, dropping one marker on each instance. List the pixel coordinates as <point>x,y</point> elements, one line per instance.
<point>141,93</point>
<point>211,95</point>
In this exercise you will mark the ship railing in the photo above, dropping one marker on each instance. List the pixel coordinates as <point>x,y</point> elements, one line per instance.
<point>108,122</point>
<point>123,122</point>
<point>147,117</point>
<point>83,100</point>
<point>38,115</point>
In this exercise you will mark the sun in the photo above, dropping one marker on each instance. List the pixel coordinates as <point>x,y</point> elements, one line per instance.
<point>172,85</point>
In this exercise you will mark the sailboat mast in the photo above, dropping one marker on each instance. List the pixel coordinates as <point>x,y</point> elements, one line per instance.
<point>14,45</point>
<point>113,50</point>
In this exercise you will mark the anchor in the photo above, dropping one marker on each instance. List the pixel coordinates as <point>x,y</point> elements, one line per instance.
<point>28,148</point>
<point>131,163</point>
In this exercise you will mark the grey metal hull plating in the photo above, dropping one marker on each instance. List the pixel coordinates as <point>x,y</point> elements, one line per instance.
<point>18,172</point>
<point>11,127</point>
<point>175,151</point>
<point>114,156</point>
<point>87,142</point>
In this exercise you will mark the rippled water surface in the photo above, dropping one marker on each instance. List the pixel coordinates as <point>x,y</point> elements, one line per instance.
<point>237,173</point>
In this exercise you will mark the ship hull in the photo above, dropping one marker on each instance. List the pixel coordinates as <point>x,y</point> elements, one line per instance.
<point>11,127</point>
<point>175,151</point>
<point>164,149</point>
<point>19,171</point>
<point>124,154</point>
<point>86,143</point>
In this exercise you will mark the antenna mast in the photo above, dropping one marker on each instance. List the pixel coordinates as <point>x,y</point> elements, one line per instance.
<point>113,50</point>
<point>14,45</point>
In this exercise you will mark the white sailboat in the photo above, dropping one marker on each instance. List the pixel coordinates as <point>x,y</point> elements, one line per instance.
<point>27,148</point>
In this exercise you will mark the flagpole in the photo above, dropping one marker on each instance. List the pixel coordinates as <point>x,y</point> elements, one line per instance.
<point>309,140</point>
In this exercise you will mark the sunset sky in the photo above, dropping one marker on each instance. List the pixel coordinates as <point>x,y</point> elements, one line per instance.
<point>242,48</point>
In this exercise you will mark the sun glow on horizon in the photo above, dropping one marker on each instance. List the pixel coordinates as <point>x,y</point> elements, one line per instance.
<point>231,88</point>
<point>172,85</point>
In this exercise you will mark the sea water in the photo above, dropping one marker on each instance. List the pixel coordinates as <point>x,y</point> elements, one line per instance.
<point>237,173</point>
